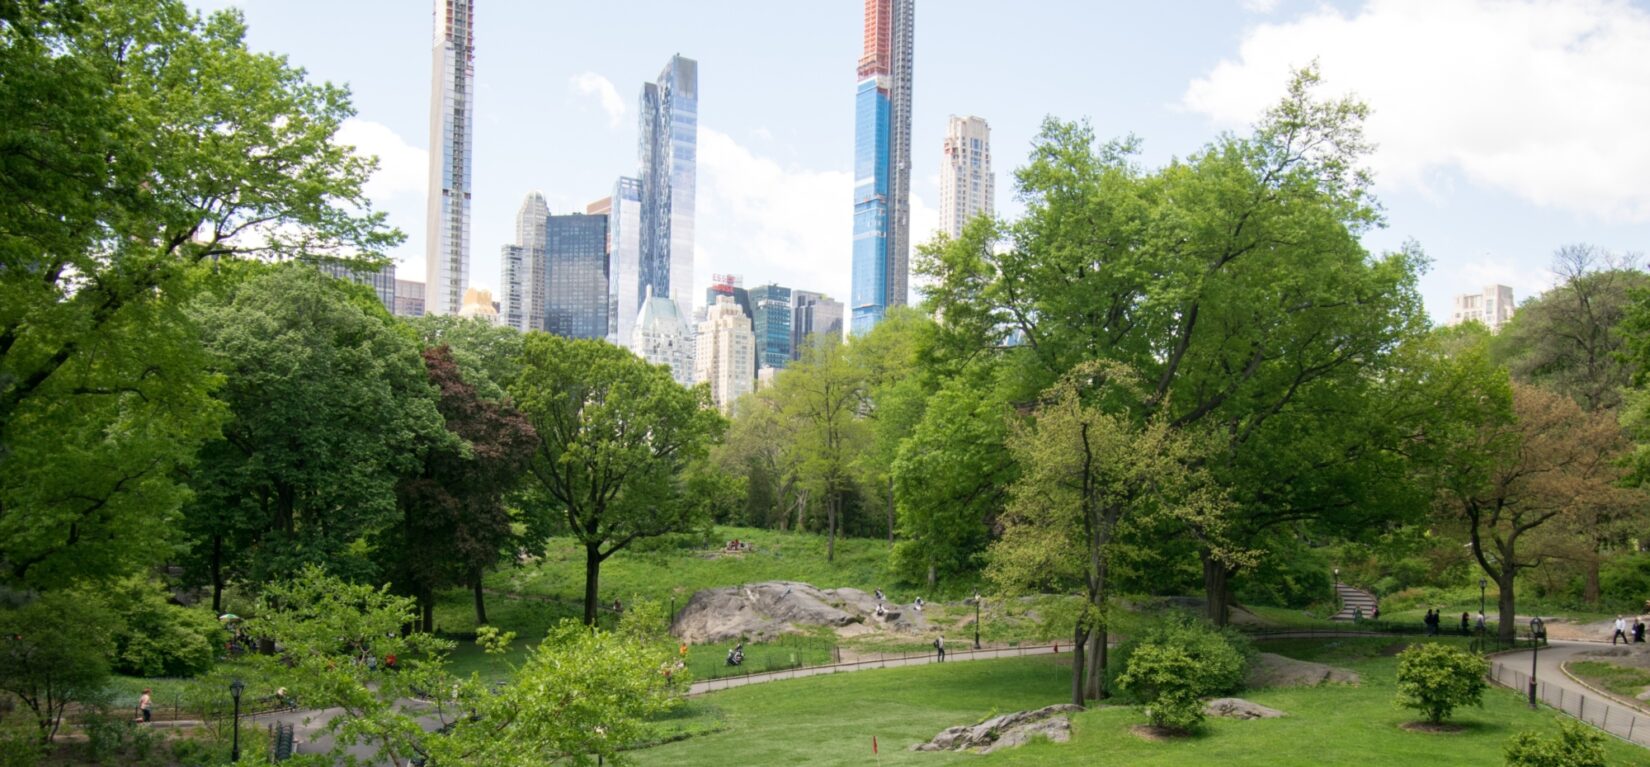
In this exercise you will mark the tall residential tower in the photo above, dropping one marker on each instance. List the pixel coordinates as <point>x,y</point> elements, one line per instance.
<point>882,162</point>
<point>452,122</point>
<point>968,187</point>
<point>522,299</point>
<point>669,163</point>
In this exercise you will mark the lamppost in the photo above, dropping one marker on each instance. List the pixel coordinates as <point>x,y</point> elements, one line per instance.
<point>1537,630</point>
<point>1337,590</point>
<point>235,689</point>
<point>976,620</point>
<point>1482,583</point>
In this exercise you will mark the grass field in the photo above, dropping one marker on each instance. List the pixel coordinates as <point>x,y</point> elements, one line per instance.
<point>831,720</point>
<point>1622,680</point>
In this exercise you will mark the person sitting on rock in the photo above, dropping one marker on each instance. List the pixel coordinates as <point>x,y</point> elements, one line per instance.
<point>917,605</point>
<point>882,612</point>
<point>880,597</point>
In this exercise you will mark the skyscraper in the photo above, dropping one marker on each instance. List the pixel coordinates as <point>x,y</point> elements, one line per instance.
<point>725,353</point>
<point>575,251</point>
<point>452,121</point>
<point>771,307</point>
<point>882,162</point>
<point>669,158</point>
<point>728,285</point>
<point>661,337</point>
<point>409,299</point>
<point>382,280</point>
<point>522,299</point>
<point>624,288</point>
<point>813,315</point>
<point>968,187</point>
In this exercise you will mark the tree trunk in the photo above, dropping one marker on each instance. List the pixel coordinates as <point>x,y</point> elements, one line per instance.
<point>426,610</point>
<point>217,574</point>
<point>592,575</point>
<point>1094,688</point>
<point>931,579</point>
<point>1589,588</point>
<point>1078,648</point>
<point>830,524</point>
<point>1509,617</point>
<point>481,601</point>
<point>1215,586</point>
<point>890,508</point>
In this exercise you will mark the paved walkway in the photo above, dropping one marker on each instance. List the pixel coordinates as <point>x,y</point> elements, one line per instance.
<point>1352,601</point>
<point>886,661</point>
<point>1556,689</point>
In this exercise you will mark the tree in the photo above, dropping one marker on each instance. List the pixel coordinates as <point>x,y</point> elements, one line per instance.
<point>614,434</point>
<point>1572,339</point>
<point>1233,281</point>
<point>821,396</point>
<point>1088,470</point>
<point>897,385</point>
<point>54,651</point>
<point>330,408</point>
<point>1518,458</point>
<point>144,144</point>
<point>488,355</point>
<point>454,525</point>
<point>1435,679</point>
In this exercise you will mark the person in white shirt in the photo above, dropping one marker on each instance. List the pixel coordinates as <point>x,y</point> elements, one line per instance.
<point>1621,631</point>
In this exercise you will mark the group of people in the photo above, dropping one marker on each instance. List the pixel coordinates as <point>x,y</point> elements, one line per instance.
<point>1622,629</point>
<point>1435,617</point>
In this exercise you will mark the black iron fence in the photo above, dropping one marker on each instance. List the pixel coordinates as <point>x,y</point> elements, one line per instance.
<point>1614,718</point>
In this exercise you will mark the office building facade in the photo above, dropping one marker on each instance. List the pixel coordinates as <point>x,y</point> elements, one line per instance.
<point>576,295</point>
<point>968,187</point>
<point>813,315</point>
<point>725,353</point>
<point>625,292</point>
<point>771,323</point>
<point>661,336</point>
<point>669,149</point>
<point>409,299</point>
<point>882,162</point>
<point>381,280</point>
<point>452,124</point>
<point>524,281</point>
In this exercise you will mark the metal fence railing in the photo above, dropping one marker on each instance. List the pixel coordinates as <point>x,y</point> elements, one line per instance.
<point>1614,718</point>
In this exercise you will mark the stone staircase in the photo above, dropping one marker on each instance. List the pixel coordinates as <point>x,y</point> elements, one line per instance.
<point>1353,599</point>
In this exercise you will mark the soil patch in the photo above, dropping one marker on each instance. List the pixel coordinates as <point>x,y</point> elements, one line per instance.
<point>1156,734</point>
<point>1271,670</point>
<point>1393,649</point>
<point>1440,728</point>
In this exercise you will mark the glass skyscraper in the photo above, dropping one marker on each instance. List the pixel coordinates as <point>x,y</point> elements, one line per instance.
<point>575,250</point>
<point>882,162</point>
<point>625,292</point>
<point>771,321</point>
<point>669,149</point>
<point>814,315</point>
<point>452,123</point>
<point>522,297</point>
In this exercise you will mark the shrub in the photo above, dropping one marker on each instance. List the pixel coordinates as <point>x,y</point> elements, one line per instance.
<point>1172,666</point>
<point>159,638</point>
<point>54,652</point>
<point>1624,580</point>
<point>1436,679</point>
<point>1575,745</point>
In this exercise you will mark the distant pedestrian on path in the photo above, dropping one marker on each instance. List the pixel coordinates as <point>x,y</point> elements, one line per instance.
<point>939,647</point>
<point>1621,632</point>
<point>1431,622</point>
<point>1638,630</point>
<point>146,711</point>
<point>1465,624</point>
<point>1480,623</point>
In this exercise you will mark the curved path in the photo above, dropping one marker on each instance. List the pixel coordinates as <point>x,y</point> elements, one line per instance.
<point>1563,692</point>
<point>886,661</point>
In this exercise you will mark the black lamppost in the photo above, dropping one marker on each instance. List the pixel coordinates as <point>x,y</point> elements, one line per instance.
<point>976,620</point>
<point>235,689</point>
<point>1482,584</point>
<point>1337,590</point>
<point>1537,630</point>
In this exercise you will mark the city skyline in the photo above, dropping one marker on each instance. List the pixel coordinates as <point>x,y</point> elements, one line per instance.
<point>882,163</point>
<point>452,128</point>
<point>776,148</point>
<point>968,185</point>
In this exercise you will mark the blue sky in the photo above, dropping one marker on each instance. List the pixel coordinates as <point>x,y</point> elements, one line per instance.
<point>1506,128</point>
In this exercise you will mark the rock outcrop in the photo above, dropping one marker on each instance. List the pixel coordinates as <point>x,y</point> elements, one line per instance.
<point>758,612</point>
<point>1269,670</point>
<point>1238,708</point>
<point>1006,731</point>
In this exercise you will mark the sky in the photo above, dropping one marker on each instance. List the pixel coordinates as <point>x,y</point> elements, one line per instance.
<point>1505,129</point>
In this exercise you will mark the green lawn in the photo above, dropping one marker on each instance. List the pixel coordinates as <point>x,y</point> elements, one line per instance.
<point>1622,680</point>
<point>830,720</point>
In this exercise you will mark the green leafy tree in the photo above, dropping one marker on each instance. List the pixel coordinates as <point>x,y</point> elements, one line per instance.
<point>1088,473</point>
<point>821,396</point>
<point>144,143</point>
<point>158,638</point>
<point>1575,745</point>
<point>614,436</point>
<point>330,408</point>
<point>897,387</point>
<point>54,652</point>
<point>1233,281</point>
<point>488,355</point>
<point>454,525</point>
<point>1436,679</point>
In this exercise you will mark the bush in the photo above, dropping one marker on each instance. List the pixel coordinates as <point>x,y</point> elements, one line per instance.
<point>159,638</point>
<point>55,652</point>
<point>1172,666</point>
<point>1623,581</point>
<point>1436,679</point>
<point>1575,745</point>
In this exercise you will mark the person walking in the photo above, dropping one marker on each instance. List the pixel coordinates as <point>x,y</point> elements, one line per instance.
<point>1465,625</point>
<point>146,712</point>
<point>1429,621</point>
<point>939,648</point>
<point>1638,630</point>
<point>1621,632</point>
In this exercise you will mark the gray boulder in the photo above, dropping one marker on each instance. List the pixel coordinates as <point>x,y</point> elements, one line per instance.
<point>1269,670</point>
<point>1006,731</point>
<point>1238,708</point>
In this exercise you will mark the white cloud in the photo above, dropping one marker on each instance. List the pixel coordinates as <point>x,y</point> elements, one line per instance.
<point>1259,6</point>
<point>1544,99</point>
<point>592,84</point>
<point>1489,270</point>
<point>402,167</point>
